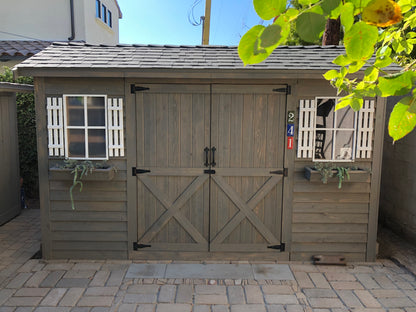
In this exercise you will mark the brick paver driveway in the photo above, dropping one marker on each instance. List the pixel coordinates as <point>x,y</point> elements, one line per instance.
<point>98,286</point>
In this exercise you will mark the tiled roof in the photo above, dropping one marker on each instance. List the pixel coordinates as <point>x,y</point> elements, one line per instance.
<point>85,56</point>
<point>26,48</point>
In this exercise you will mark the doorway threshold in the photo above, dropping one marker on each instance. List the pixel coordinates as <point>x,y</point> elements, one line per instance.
<point>210,271</point>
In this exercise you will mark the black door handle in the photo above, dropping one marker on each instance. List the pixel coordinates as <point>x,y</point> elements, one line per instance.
<point>206,150</point>
<point>213,163</point>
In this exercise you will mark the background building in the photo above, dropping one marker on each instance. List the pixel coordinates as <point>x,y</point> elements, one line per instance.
<point>92,21</point>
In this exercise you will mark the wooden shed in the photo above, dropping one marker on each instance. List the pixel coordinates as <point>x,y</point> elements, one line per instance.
<point>210,155</point>
<point>9,151</point>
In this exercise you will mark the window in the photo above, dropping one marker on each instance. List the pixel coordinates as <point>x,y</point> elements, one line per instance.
<point>85,122</point>
<point>109,19</point>
<point>334,131</point>
<point>98,8</point>
<point>104,13</point>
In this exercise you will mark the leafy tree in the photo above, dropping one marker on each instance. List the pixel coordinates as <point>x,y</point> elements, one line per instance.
<point>26,128</point>
<point>379,35</point>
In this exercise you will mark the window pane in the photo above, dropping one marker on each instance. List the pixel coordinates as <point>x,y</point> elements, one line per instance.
<point>104,13</point>
<point>76,143</point>
<point>325,113</point>
<point>323,144</point>
<point>97,8</point>
<point>75,110</point>
<point>110,19</point>
<point>343,146</point>
<point>96,111</point>
<point>345,118</point>
<point>96,143</point>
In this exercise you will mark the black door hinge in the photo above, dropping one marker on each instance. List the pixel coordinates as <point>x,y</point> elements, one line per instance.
<point>285,172</point>
<point>280,247</point>
<point>209,171</point>
<point>134,89</point>
<point>137,246</point>
<point>286,90</point>
<point>135,171</point>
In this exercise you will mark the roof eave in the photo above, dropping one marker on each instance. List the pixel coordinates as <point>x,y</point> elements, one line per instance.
<point>243,73</point>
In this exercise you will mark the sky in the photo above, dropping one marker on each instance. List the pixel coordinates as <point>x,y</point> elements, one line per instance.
<point>166,21</point>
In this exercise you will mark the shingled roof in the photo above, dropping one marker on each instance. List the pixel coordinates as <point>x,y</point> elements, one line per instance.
<point>21,48</point>
<point>85,56</point>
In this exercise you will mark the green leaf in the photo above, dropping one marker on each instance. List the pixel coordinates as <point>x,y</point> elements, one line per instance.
<point>344,102</point>
<point>284,22</point>
<point>360,4</point>
<point>268,9</point>
<point>331,74</point>
<point>342,60</point>
<point>383,62</point>
<point>330,5</point>
<point>360,40</point>
<point>347,15</point>
<point>291,12</point>
<point>403,118</point>
<point>248,48</point>
<point>371,74</point>
<point>310,26</point>
<point>399,84</point>
<point>405,5</point>
<point>307,2</point>
<point>270,36</point>
<point>355,103</point>
<point>355,66</point>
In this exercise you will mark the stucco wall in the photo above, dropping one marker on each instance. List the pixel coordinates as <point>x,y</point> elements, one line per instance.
<point>398,183</point>
<point>50,20</point>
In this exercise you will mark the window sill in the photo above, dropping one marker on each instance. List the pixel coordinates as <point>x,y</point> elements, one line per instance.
<point>106,174</point>
<point>358,175</point>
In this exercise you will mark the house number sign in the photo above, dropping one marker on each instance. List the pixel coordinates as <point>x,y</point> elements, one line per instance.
<point>290,129</point>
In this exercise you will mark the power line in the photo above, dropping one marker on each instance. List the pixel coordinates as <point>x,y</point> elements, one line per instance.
<point>191,16</point>
<point>21,36</point>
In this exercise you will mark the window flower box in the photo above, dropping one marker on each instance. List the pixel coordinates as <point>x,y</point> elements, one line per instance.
<point>355,175</point>
<point>105,174</point>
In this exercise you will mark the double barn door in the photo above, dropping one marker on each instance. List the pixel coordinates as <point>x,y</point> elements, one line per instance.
<point>209,168</point>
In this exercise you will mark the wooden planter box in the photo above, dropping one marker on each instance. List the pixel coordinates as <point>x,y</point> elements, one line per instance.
<point>96,175</point>
<point>359,175</point>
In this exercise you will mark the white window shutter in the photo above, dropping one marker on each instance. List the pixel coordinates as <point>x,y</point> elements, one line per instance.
<point>115,127</point>
<point>55,126</point>
<point>306,128</point>
<point>365,130</point>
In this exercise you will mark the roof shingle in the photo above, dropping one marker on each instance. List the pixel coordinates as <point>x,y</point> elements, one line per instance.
<point>25,48</point>
<point>81,55</point>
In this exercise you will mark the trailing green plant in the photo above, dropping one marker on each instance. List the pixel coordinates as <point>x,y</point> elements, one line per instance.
<point>26,129</point>
<point>80,169</point>
<point>329,170</point>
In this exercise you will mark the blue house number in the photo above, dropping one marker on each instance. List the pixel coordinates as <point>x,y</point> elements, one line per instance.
<point>290,130</point>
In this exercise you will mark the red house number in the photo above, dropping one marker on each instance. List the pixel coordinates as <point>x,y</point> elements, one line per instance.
<point>290,143</point>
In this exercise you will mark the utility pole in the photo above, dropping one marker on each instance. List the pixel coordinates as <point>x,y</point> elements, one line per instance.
<point>207,23</point>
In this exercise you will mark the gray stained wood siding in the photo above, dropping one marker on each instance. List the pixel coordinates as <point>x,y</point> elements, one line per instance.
<point>111,215</point>
<point>331,221</point>
<point>398,182</point>
<point>98,227</point>
<point>9,153</point>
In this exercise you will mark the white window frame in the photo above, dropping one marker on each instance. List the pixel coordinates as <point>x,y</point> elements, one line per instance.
<point>86,127</point>
<point>333,129</point>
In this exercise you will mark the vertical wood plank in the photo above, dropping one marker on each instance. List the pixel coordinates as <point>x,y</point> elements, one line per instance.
<point>376,179</point>
<point>133,120</point>
<point>43,165</point>
<point>61,127</point>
